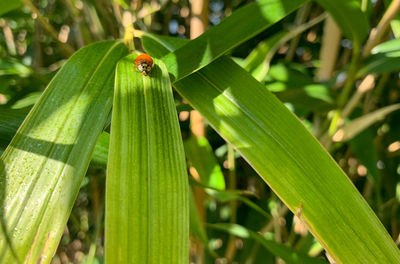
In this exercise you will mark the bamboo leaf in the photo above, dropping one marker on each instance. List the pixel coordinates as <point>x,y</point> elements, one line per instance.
<point>7,6</point>
<point>357,125</point>
<point>196,226</point>
<point>289,255</point>
<point>147,204</point>
<point>10,120</point>
<point>42,169</point>
<point>200,156</point>
<point>243,24</point>
<point>290,160</point>
<point>258,16</point>
<point>232,195</point>
<point>384,58</point>
<point>100,153</point>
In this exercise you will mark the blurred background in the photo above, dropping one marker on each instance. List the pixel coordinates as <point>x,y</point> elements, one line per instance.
<point>303,60</point>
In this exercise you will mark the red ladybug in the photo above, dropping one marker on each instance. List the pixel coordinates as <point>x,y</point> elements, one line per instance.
<point>144,63</point>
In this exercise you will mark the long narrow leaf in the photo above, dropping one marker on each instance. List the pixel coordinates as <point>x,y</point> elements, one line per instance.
<point>289,255</point>
<point>357,125</point>
<point>232,31</point>
<point>290,160</point>
<point>43,167</point>
<point>201,157</point>
<point>11,119</point>
<point>147,204</point>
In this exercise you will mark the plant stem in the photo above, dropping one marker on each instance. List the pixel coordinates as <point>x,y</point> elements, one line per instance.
<point>231,247</point>
<point>348,86</point>
<point>301,17</point>
<point>329,50</point>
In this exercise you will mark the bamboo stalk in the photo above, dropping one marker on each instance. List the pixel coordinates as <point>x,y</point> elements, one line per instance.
<point>329,50</point>
<point>198,24</point>
<point>231,247</point>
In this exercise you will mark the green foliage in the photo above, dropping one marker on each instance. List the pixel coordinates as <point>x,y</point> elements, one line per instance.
<point>43,166</point>
<point>7,6</point>
<point>246,23</point>
<point>307,127</point>
<point>147,214</point>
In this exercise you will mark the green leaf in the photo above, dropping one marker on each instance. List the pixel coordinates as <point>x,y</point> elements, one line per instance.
<point>27,101</point>
<point>100,153</point>
<point>201,157</point>
<point>233,195</point>
<point>242,25</point>
<point>295,87</point>
<point>357,125</point>
<point>290,160</point>
<point>12,67</point>
<point>147,203</point>
<point>7,6</point>
<point>384,58</point>
<point>196,226</point>
<point>289,255</point>
<point>42,169</point>
<point>350,18</point>
<point>158,46</point>
<point>10,120</point>
<point>388,46</point>
<point>258,61</point>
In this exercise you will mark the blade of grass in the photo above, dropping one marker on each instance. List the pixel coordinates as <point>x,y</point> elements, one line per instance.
<point>42,169</point>
<point>147,203</point>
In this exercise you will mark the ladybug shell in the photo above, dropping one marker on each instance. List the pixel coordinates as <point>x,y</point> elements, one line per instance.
<point>144,63</point>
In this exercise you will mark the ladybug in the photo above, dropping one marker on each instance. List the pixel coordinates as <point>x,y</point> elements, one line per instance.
<point>144,63</point>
